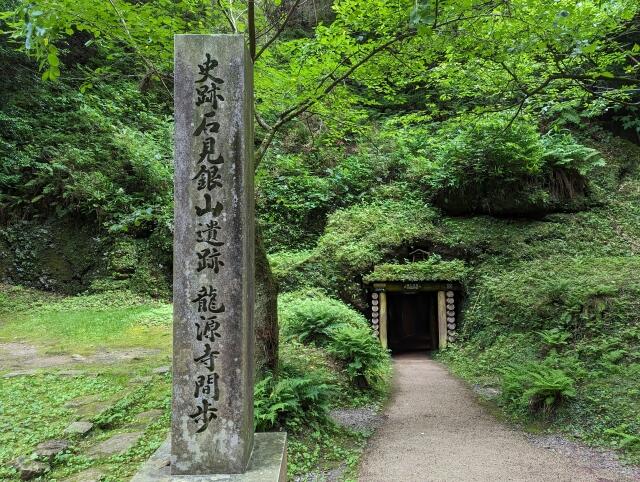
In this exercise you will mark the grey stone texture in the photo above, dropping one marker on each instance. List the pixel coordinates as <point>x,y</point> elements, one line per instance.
<point>49,449</point>
<point>78,428</point>
<point>115,445</point>
<point>29,469</point>
<point>268,463</point>
<point>89,475</point>
<point>225,445</point>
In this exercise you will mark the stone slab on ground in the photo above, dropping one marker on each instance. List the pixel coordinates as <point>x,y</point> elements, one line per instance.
<point>94,410</point>
<point>89,475</point>
<point>268,463</point>
<point>84,400</point>
<point>29,469</point>
<point>115,445</point>
<point>49,449</point>
<point>145,419</point>
<point>78,428</point>
<point>23,373</point>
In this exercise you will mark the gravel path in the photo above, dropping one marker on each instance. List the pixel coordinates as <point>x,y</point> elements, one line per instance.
<point>436,431</point>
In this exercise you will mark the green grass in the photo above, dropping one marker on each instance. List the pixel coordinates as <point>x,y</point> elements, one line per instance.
<point>84,324</point>
<point>35,407</point>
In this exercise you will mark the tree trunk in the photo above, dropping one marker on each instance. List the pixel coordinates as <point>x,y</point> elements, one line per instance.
<point>266,312</point>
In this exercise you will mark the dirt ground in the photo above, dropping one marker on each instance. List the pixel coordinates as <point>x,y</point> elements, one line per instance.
<point>435,430</point>
<point>25,358</point>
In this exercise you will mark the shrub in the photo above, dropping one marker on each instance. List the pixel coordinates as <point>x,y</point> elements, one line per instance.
<point>536,386</point>
<point>484,151</point>
<point>313,318</point>
<point>310,316</point>
<point>561,150</point>
<point>362,355</point>
<point>493,164</point>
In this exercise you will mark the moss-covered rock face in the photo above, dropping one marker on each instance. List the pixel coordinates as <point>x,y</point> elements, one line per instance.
<point>55,255</point>
<point>71,256</point>
<point>136,265</point>
<point>432,269</point>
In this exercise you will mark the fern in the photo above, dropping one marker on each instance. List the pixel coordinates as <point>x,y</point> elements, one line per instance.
<point>537,387</point>
<point>553,339</point>
<point>290,402</point>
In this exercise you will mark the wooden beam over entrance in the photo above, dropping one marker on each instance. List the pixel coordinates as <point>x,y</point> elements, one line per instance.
<point>383,319</point>
<point>442,320</point>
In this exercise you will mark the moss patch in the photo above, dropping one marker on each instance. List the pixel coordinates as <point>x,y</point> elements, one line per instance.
<point>432,269</point>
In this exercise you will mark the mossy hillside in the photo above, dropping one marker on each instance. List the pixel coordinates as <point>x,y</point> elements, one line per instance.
<point>566,276</point>
<point>81,169</point>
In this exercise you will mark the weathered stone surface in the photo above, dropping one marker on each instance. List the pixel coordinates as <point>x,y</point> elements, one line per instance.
<point>80,401</point>
<point>145,379</point>
<point>49,449</point>
<point>70,373</point>
<point>162,370</point>
<point>94,410</point>
<point>78,428</point>
<point>115,445</point>
<point>89,475</point>
<point>268,463</point>
<point>144,419</point>
<point>29,469</point>
<point>23,373</point>
<point>213,253</point>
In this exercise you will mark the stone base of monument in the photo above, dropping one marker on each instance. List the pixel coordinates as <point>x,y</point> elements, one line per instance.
<point>268,464</point>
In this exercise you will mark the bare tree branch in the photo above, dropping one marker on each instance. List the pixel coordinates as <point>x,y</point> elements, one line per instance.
<point>303,105</point>
<point>226,15</point>
<point>279,31</point>
<point>146,61</point>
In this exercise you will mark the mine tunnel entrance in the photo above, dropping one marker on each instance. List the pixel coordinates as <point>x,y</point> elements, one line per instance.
<point>412,320</point>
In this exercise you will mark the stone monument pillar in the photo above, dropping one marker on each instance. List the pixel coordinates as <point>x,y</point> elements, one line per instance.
<point>212,423</point>
<point>212,435</point>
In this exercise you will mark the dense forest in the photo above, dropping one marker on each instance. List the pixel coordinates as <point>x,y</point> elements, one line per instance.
<point>501,137</point>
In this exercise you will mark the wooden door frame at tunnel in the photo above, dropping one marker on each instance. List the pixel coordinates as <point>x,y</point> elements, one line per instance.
<point>383,288</point>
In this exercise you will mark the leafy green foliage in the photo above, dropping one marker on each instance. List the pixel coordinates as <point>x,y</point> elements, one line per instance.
<point>360,352</point>
<point>562,151</point>
<point>296,191</point>
<point>289,402</point>
<point>580,295</point>
<point>121,173</point>
<point>312,317</point>
<point>89,167</point>
<point>537,387</point>
<point>554,339</point>
<point>501,165</point>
